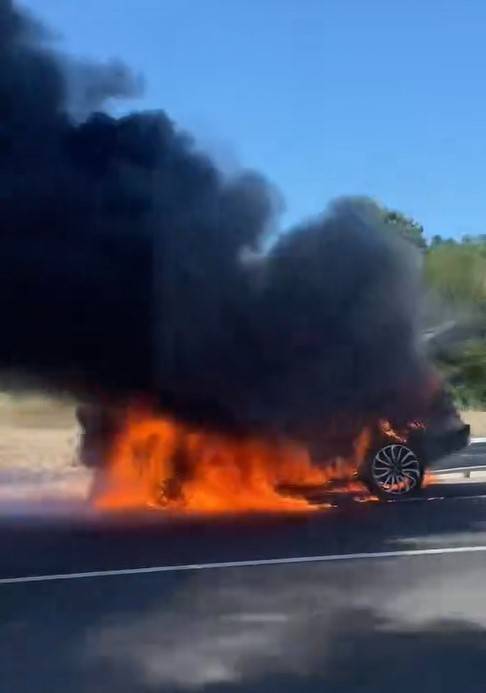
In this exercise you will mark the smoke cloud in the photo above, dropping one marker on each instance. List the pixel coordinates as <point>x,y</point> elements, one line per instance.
<point>131,266</point>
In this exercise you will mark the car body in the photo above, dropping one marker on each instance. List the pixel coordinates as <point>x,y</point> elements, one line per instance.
<point>393,465</point>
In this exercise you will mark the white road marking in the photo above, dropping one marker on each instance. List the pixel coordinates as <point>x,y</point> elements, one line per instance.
<point>243,564</point>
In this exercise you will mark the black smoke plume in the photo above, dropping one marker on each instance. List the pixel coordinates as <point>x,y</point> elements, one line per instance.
<point>131,267</point>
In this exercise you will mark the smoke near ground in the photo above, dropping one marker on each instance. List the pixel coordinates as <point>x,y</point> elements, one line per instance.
<point>131,267</point>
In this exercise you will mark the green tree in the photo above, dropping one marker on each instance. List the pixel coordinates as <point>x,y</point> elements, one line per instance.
<point>457,272</point>
<point>464,368</point>
<point>439,240</point>
<point>408,228</point>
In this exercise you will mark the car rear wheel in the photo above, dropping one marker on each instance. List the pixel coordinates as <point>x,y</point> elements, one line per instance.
<point>394,471</point>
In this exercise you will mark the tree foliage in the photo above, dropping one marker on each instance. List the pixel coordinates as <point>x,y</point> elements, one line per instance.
<point>464,368</point>
<point>408,228</point>
<point>455,271</point>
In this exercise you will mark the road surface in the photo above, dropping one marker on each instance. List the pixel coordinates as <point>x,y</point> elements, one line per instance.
<point>361,597</point>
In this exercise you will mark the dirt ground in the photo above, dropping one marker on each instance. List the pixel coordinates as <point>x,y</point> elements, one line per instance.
<point>36,411</point>
<point>38,450</point>
<point>36,430</point>
<point>477,421</point>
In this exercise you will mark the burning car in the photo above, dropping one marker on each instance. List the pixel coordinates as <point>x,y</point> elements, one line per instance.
<point>150,460</point>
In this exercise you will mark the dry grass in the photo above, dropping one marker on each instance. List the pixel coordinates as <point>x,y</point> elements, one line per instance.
<point>36,430</point>
<point>38,450</point>
<point>477,421</point>
<point>36,411</point>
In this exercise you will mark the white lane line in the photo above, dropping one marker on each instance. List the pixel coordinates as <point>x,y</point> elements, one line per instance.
<point>478,440</point>
<point>243,564</point>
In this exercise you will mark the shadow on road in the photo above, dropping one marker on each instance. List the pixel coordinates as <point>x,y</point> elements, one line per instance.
<point>371,655</point>
<point>281,629</point>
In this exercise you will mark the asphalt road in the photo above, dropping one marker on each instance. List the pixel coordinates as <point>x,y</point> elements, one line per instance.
<point>392,599</point>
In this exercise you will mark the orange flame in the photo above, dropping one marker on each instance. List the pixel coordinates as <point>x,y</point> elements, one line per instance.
<point>387,429</point>
<point>429,478</point>
<point>160,463</point>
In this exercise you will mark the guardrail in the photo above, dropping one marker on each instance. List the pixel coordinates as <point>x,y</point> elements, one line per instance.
<point>465,469</point>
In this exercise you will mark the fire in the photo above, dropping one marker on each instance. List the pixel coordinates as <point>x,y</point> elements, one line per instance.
<point>160,463</point>
<point>387,430</point>
<point>429,478</point>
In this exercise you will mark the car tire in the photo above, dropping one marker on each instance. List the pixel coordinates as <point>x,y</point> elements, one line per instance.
<point>394,471</point>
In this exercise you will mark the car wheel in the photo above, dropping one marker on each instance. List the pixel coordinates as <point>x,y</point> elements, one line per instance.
<point>394,471</point>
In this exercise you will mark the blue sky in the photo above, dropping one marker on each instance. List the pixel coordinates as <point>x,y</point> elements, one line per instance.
<point>326,97</point>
